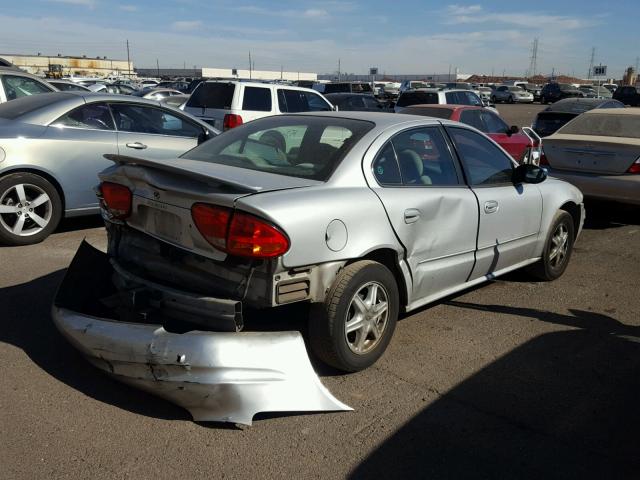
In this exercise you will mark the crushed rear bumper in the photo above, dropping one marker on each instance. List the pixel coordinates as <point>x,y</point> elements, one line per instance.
<point>216,376</point>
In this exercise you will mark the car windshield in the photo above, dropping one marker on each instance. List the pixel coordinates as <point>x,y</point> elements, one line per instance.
<point>417,98</point>
<point>567,87</point>
<point>530,86</point>
<point>605,125</point>
<point>484,89</point>
<point>515,89</point>
<point>23,105</point>
<point>294,145</point>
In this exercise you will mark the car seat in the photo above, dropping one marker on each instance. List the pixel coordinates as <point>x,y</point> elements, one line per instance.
<point>412,168</point>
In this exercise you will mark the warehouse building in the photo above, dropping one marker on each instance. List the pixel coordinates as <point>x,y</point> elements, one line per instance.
<point>68,65</point>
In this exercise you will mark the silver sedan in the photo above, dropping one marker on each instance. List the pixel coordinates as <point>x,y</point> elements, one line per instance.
<point>52,147</point>
<point>360,215</point>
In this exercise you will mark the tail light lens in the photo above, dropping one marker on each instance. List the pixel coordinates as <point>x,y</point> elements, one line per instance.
<point>635,167</point>
<point>117,199</point>
<point>231,121</point>
<point>238,233</point>
<point>212,223</point>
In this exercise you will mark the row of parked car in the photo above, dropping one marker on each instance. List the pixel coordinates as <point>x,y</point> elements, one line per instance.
<point>61,129</point>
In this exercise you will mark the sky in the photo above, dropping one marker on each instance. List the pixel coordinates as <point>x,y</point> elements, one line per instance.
<point>409,37</point>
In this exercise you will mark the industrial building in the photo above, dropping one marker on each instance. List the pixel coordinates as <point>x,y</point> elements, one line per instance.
<point>69,65</point>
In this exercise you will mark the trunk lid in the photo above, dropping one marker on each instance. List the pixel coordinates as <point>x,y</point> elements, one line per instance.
<point>591,154</point>
<point>164,192</point>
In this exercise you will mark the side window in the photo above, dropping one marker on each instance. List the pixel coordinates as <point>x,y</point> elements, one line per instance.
<point>257,99</point>
<point>371,103</point>
<point>16,86</point>
<point>424,158</point>
<point>355,102</point>
<point>472,99</point>
<point>472,117</point>
<point>485,163</point>
<point>143,119</point>
<point>95,116</point>
<point>492,122</point>
<point>282,102</point>
<point>452,98</point>
<point>315,102</point>
<point>292,101</point>
<point>385,167</point>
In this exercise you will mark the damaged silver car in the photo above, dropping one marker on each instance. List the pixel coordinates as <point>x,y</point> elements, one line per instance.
<point>359,215</point>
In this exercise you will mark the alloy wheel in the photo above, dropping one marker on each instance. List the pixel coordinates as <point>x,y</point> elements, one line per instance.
<point>25,209</point>
<point>367,318</point>
<point>559,246</point>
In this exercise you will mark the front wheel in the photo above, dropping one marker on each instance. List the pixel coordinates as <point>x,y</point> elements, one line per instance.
<point>557,249</point>
<point>510,99</point>
<point>354,326</point>
<point>30,209</point>
<point>494,100</point>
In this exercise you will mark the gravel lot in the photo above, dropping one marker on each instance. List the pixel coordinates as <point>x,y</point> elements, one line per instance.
<point>514,379</point>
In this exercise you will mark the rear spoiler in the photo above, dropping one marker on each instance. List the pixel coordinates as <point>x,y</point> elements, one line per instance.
<point>218,179</point>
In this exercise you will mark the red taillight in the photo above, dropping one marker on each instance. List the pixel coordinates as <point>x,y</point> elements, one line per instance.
<point>251,237</point>
<point>635,167</point>
<point>231,121</point>
<point>117,199</point>
<point>238,233</point>
<point>212,223</point>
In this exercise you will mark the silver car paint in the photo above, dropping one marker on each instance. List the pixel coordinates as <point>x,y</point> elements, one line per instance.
<point>74,156</point>
<point>434,259</point>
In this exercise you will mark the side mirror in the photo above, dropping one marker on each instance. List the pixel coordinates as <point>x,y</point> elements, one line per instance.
<point>511,130</point>
<point>529,173</point>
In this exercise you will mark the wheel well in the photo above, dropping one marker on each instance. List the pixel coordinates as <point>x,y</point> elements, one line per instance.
<point>573,210</point>
<point>389,258</point>
<point>44,175</point>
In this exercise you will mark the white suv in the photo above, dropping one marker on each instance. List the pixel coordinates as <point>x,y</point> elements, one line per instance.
<point>227,104</point>
<point>433,96</point>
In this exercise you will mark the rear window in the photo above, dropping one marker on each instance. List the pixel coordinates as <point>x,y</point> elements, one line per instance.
<point>417,98</point>
<point>257,99</point>
<point>606,125</point>
<point>297,146</point>
<point>212,95</point>
<point>21,106</point>
<point>429,112</point>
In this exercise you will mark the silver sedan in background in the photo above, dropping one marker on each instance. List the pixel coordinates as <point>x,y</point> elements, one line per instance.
<point>52,147</point>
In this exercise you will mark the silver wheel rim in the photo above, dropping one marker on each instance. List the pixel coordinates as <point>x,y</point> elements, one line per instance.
<point>366,318</point>
<point>559,246</point>
<point>25,209</point>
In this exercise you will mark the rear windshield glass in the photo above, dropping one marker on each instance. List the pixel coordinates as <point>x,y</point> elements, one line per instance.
<point>212,95</point>
<point>23,105</point>
<point>417,98</point>
<point>297,146</point>
<point>606,125</point>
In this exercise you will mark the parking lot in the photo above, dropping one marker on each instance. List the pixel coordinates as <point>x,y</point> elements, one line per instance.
<point>513,379</point>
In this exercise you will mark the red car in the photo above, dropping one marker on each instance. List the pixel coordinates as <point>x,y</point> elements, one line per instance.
<point>516,143</point>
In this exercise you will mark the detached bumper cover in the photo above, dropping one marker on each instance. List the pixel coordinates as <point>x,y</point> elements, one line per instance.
<point>216,376</point>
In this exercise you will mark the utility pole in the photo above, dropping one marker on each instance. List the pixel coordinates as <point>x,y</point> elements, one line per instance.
<point>280,72</point>
<point>250,65</point>
<point>637,64</point>
<point>128,60</point>
<point>158,67</point>
<point>534,58</point>
<point>593,56</point>
<point>339,75</point>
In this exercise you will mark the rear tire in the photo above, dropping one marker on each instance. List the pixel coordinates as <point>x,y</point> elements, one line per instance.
<point>494,100</point>
<point>510,99</point>
<point>557,249</point>
<point>30,209</point>
<point>354,326</point>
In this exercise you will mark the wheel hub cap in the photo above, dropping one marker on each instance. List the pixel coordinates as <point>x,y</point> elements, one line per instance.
<point>25,209</point>
<point>366,318</point>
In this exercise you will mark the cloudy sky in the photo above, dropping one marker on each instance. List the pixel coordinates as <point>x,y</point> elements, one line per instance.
<point>305,35</point>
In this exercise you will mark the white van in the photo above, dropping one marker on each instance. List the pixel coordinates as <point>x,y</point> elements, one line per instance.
<point>227,104</point>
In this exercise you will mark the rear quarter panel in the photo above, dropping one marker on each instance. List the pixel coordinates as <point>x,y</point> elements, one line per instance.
<point>304,215</point>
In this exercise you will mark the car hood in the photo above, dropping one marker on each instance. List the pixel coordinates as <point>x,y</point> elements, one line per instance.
<point>13,129</point>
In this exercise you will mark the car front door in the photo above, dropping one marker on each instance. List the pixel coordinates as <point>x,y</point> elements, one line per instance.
<point>432,211</point>
<point>153,132</point>
<point>510,215</point>
<point>76,143</point>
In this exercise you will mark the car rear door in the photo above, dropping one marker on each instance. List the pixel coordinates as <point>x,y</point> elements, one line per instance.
<point>152,131</point>
<point>510,215</point>
<point>432,211</point>
<point>75,145</point>
<point>515,144</point>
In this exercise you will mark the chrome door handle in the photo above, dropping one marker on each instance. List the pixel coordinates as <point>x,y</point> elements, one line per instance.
<point>411,215</point>
<point>137,145</point>
<point>491,206</point>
